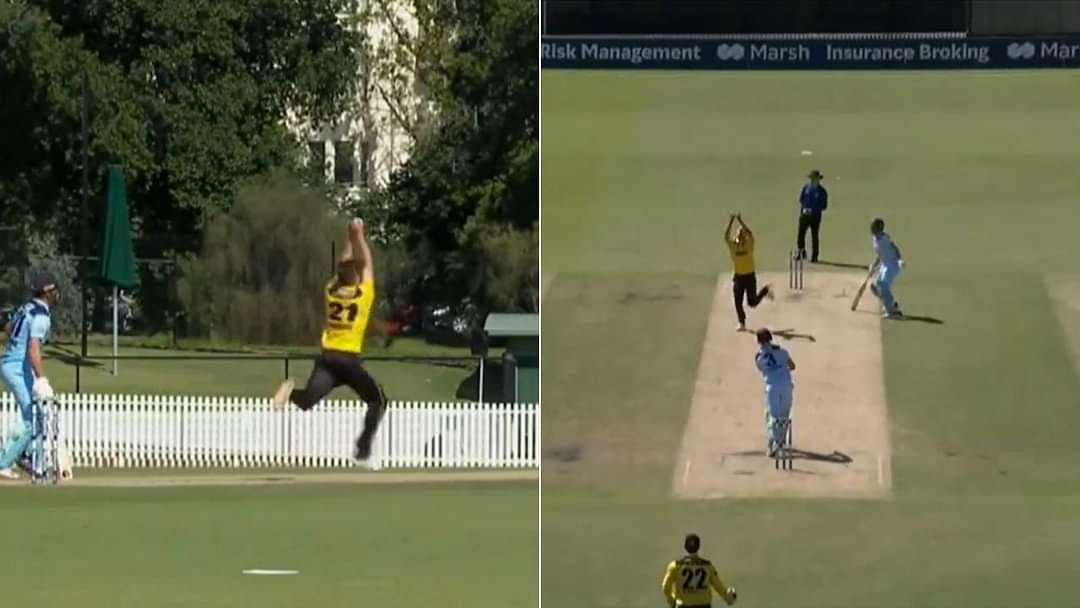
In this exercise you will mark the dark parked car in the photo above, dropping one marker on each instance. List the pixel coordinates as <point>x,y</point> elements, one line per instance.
<point>452,324</point>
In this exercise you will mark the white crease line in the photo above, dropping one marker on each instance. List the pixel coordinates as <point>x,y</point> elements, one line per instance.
<point>686,472</point>
<point>880,471</point>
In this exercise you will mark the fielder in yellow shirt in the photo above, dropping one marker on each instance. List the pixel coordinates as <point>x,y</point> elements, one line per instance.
<point>742,258</point>
<point>348,297</point>
<point>690,581</point>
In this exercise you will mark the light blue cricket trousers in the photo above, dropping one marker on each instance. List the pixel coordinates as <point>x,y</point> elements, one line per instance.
<point>886,276</point>
<point>20,381</point>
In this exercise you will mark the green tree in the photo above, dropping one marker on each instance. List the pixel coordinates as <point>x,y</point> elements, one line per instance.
<point>259,276</point>
<point>475,162</point>
<point>44,255</point>
<point>190,96</point>
<point>505,265</point>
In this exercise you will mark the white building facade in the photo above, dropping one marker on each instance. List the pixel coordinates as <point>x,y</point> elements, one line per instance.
<point>372,136</point>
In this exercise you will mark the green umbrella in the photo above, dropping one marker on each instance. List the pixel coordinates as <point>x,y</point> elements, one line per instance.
<point>117,257</point>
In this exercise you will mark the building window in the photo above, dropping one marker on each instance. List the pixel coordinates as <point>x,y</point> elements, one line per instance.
<point>343,162</point>
<point>365,163</point>
<point>317,157</point>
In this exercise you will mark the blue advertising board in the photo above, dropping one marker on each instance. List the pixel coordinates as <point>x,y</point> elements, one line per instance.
<point>907,53</point>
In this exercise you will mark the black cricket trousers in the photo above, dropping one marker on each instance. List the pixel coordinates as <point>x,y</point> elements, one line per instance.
<point>746,285</point>
<point>813,222</point>
<point>335,368</point>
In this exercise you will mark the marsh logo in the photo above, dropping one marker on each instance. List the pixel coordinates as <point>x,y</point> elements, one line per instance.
<point>730,52</point>
<point>1017,50</point>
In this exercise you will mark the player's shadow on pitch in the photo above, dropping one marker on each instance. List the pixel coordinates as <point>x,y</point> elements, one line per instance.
<point>841,264</point>
<point>791,334</point>
<point>907,317</point>
<point>836,457</point>
<point>931,320</point>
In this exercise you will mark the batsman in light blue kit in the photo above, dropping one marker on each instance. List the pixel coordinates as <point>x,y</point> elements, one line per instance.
<point>775,365</point>
<point>891,263</point>
<point>21,365</point>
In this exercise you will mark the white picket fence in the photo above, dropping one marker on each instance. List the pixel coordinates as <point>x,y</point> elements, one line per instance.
<point>189,431</point>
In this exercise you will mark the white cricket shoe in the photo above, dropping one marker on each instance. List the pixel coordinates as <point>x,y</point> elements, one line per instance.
<point>281,397</point>
<point>740,327</point>
<point>8,473</point>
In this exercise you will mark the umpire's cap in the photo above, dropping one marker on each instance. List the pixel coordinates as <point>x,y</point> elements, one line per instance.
<point>42,282</point>
<point>764,336</point>
<point>692,543</point>
<point>815,174</point>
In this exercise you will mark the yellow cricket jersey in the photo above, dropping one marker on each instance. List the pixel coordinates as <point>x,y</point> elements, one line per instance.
<point>348,310</point>
<point>742,255</point>
<point>691,580</point>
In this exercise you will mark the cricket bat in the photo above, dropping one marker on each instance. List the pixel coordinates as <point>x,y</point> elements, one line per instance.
<point>862,288</point>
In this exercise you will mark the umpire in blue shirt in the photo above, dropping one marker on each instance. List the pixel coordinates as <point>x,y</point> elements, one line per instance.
<point>813,201</point>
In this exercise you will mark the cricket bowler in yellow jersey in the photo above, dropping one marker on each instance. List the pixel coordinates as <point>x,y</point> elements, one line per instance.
<point>744,279</point>
<point>348,298</point>
<point>690,581</point>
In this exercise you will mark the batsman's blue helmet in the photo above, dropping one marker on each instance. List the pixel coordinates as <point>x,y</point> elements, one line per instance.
<point>42,282</point>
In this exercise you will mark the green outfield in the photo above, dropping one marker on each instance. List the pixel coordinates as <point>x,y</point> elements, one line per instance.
<point>353,545</point>
<point>976,177</point>
<point>415,380</point>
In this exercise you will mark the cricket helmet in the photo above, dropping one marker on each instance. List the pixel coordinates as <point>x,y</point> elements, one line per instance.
<point>41,282</point>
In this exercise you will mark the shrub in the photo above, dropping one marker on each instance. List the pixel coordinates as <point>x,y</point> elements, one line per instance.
<point>259,276</point>
<point>506,269</point>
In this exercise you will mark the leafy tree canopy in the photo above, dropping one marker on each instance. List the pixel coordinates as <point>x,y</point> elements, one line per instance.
<point>479,165</point>
<point>189,96</point>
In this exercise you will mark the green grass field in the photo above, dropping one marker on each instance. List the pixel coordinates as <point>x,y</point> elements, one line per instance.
<point>367,544</point>
<point>354,545</point>
<point>402,380</point>
<point>976,176</point>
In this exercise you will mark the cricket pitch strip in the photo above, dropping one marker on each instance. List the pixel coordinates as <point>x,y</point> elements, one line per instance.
<point>839,418</point>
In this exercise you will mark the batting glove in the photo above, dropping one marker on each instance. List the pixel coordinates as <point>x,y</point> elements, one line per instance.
<point>42,388</point>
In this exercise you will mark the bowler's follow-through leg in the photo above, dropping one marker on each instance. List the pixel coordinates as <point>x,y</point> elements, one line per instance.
<point>375,399</point>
